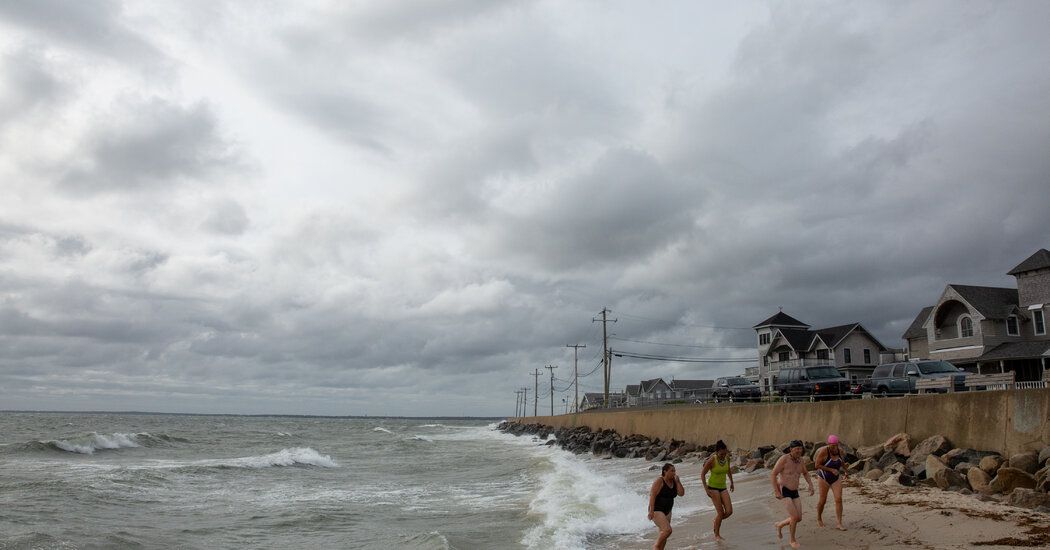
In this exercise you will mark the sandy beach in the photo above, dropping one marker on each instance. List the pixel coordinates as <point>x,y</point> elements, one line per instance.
<point>875,515</point>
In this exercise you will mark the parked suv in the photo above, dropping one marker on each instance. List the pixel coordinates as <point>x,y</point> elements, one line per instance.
<point>735,387</point>
<point>900,378</point>
<point>818,382</point>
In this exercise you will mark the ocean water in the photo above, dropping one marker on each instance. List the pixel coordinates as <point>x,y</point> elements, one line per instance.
<point>171,481</point>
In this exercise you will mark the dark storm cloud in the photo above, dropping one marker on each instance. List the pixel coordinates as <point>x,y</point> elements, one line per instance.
<point>151,145</point>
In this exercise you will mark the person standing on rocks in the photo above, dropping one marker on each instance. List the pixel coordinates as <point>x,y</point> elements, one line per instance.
<point>785,487</point>
<point>831,469</point>
<point>661,500</point>
<point>715,486</point>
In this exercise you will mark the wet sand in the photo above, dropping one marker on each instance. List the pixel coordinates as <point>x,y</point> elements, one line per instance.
<point>875,515</point>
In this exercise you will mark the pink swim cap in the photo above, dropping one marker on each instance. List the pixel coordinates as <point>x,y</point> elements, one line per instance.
<point>833,439</point>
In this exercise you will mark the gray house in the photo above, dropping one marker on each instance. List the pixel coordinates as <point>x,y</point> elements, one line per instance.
<point>691,390</point>
<point>989,329</point>
<point>654,392</point>
<point>784,341</point>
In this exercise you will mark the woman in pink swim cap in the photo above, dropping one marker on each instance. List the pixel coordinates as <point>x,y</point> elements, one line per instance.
<point>831,469</point>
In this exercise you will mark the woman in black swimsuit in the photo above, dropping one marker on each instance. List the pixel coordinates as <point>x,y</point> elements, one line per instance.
<point>831,468</point>
<point>661,500</point>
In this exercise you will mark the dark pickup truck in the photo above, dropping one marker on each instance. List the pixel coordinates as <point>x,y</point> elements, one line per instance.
<point>802,383</point>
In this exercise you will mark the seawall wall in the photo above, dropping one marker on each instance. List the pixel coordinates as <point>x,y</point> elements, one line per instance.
<point>1007,421</point>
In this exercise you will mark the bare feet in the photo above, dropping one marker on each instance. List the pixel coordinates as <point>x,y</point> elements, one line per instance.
<point>718,538</point>
<point>780,530</point>
<point>795,544</point>
<point>840,527</point>
<point>820,521</point>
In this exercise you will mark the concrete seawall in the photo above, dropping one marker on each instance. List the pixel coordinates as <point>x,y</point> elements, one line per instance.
<point>1008,421</point>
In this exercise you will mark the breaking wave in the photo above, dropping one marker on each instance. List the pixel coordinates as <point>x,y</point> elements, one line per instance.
<point>381,429</point>
<point>422,438</point>
<point>298,456</point>
<point>90,443</point>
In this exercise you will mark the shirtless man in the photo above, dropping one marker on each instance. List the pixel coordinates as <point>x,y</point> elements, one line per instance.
<point>785,487</point>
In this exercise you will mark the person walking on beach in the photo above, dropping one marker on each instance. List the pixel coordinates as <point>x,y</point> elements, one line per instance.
<point>661,500</point>
<point>715,486</point>
<point>785,487</point>
<point>831,469</point>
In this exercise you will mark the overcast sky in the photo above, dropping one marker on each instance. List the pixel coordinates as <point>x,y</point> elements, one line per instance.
<point>405,208</point>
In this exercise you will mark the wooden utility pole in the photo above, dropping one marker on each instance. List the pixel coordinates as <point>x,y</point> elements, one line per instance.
<point>536,393</point>
<point>551,368</point>
<point>524,401</point>
<point>605,346</point>
<point>575,374</point>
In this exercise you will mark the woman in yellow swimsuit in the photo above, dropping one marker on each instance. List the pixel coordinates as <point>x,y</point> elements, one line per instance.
<point>715,485</point>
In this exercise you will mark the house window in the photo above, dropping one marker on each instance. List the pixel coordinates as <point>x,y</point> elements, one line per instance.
<point>1039,322</point>
<point>822,354</point>
<point>847,355</point>
<point>765,361</point>
<point>965,327</point>
<point>782,356</point>
<point>1011,326</point>
<point>763,339</point>
<point>867,356</point>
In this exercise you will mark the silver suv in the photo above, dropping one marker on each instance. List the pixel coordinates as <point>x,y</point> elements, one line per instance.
<point>900,378</point>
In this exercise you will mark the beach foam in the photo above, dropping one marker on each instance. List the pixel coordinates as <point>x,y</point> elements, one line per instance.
<point>577,500</point>
<point>303,456</point>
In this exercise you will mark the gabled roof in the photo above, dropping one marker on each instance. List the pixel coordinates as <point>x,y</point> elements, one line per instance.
<point>691,384</point>
<point>783,320</point>
<point>633,389</point>
<point>1039,260</point>
<point>916,329</point>
<point>648,385</point>
<point>798,338</point>
<point>990,301</point>
<point>833,336</point>
<point>1017,350</point>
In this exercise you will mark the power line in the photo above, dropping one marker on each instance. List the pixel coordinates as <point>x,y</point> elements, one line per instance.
<point>679,359</point>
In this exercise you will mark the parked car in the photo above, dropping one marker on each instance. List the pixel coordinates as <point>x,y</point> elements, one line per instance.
<point>900,378</point>
<point>735,388</point>
<point>817,382</point>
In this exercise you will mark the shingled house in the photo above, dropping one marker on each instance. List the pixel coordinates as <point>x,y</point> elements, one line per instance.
<point>989,329</point>
<point>784,341</point>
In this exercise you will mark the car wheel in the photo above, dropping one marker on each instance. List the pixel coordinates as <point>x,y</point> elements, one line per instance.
<point>883,392</point>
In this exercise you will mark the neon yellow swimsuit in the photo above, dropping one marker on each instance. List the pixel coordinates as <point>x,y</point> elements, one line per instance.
<point>717,479</point>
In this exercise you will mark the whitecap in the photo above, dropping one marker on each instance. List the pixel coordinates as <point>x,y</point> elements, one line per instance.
<point>95,442</point>
<point>422,438</point>
<point>381,429</point>
<point>285,457</point>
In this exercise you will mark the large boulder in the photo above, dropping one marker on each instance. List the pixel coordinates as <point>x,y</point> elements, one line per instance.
<point>873,474</point>
<point>752,465</point>
<point>886,460</point>
<point>933,465</point>
<point>991,464</point>
<point>899,445</point>
<point>1028,462</point>
<point>955,456</point>
<point>978,479</point>
<point>772,462</point>
<point>1044,455</point>
<point>935,445</point>
<point>875,451</point>
<point>1008,479</point>
<point>947,478</point>
<point>1027,498</point>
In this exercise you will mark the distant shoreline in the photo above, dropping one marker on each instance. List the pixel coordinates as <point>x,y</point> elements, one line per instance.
<point>2,411</point>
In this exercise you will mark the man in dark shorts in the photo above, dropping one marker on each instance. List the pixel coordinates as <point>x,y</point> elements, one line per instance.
<point>785,487</point>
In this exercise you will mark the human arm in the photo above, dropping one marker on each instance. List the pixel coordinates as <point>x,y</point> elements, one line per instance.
<point>652,496</point>
<point>732,486</point>
<point>820,459</point>
<point>809,480</point>
<point>678,485</point>
<point>708,464</point>
<point>773,477</point>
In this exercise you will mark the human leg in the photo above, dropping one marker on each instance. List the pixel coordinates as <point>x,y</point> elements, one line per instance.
<point>836,490</point>
<point>663,523</point>
<point>822,500</point>
<point>716,501</point>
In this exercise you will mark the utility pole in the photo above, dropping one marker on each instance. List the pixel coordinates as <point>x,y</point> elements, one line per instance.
<point>605,345</point>
<point>536,393</point>
<point>524,401</point>
<point>551,368</point>
<point>517,402</point>
<point>575,374</point>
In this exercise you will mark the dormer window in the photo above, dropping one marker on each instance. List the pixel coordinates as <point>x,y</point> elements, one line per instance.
<point>965,327</point>
<point>763,339</point>
<point>1011,326</point>
<point>1038,322</point>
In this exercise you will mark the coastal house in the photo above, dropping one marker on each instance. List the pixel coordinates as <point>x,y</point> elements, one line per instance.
<point>784,341</point>
<point>632,392</point>
<point>596,400</point>
<point>654,392</point>
<point>986,329</point>
<point>691,390</point>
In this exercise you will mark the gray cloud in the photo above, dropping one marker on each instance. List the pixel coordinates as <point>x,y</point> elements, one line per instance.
<point>523,166</point>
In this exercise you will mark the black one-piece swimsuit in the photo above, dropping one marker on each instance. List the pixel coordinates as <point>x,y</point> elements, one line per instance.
<point>665,498</point>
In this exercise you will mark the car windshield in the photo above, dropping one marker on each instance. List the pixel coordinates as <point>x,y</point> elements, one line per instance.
<point>823,372</point>
<point>932,367</point>
<point>738,382</point>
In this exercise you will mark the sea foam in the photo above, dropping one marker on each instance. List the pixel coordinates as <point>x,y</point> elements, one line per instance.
<point>304,456</point>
